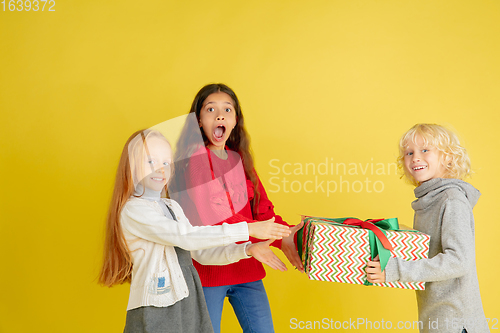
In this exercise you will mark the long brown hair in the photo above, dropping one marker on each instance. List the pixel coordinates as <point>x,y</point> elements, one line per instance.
<point>117,262</point>
<point>239,140</point>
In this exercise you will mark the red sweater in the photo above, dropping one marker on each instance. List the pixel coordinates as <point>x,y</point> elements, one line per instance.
<point>207,179</point>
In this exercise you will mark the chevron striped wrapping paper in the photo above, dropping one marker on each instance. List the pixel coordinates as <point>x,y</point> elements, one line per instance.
<point>340,253</point>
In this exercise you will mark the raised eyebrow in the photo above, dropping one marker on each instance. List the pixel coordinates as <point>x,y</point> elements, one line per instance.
<point>215,102</point>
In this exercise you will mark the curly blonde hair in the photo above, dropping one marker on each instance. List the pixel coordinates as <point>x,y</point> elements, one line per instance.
<point>453,156</point>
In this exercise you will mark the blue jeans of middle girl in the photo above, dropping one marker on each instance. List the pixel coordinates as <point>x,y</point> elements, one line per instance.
<point>250,304</point>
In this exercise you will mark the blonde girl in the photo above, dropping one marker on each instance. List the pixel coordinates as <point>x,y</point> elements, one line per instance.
<point>149,243</point>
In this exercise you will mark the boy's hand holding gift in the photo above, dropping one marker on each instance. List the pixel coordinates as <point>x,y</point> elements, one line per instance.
<point>374,272</point>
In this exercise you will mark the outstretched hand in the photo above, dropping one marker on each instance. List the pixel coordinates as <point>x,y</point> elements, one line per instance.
<point>374,272</point>
<point>268,230</point>
<point>263,253</point>
<point>289,249</point>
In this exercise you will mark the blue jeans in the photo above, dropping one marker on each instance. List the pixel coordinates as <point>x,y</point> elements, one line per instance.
<point>250,304</point>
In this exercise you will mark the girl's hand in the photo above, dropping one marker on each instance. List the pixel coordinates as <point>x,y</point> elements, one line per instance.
<point>373,272</point>
<point>268,230</point>
<point>263,253</point>
<point>290,250</point>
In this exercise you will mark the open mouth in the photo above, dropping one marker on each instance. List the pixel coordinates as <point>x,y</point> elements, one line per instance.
<point>219,132</point>
<point>420,167</point>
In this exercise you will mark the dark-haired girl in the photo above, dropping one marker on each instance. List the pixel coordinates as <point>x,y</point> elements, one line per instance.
<point>223,187</point>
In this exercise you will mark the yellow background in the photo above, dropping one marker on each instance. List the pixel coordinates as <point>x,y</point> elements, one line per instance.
<point>339,80</point>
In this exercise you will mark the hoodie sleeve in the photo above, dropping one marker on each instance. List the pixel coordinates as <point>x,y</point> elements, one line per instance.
<point>457,253</point>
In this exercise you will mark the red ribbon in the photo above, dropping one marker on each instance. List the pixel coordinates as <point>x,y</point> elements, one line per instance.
<point>370,224</point>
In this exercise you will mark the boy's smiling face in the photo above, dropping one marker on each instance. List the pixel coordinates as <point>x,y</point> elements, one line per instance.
<point>423,162</point>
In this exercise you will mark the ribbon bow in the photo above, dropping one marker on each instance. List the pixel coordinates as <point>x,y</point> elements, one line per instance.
<point>370,225</point>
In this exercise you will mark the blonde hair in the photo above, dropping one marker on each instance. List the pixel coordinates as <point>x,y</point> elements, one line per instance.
<point>117,263</point>
<point>453,156</point>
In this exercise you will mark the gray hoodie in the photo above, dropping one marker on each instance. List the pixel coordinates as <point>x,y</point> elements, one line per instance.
<point>451,299</point>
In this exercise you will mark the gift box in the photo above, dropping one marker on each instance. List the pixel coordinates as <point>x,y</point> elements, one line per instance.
<point>339,249</point>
